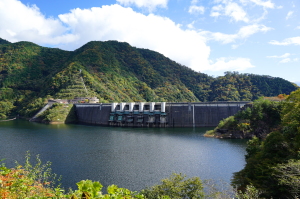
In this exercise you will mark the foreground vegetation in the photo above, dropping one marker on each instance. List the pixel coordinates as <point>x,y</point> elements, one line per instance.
<point>273,154</point>
<point>273,164</point>
<point>37,181</point>
<point>114,72</point>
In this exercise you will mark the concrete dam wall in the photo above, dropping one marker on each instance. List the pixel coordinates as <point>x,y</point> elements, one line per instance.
<point>157,114</point>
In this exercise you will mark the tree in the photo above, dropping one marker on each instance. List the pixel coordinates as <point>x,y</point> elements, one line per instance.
<point>5,108</point>
<point>288,175</point>
<point>291,112</point>
<point>176,187</point>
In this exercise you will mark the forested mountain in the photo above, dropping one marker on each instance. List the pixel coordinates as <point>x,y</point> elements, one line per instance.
<point>114,72</point>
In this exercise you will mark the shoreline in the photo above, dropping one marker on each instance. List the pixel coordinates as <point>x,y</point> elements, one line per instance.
<point>8,120</point>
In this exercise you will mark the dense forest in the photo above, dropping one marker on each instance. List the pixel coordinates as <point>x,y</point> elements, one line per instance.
<point>272,158</point>
<point>273,163</point>
<point>114,72</point>
<point>258,118</point>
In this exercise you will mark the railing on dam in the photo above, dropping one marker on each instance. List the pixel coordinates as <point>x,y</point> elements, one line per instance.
<point>157,114</point>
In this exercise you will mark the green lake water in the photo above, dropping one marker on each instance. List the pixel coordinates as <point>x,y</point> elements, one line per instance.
<point>128,157</point>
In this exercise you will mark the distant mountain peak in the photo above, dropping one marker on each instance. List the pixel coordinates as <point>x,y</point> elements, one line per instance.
<point>3,41</point>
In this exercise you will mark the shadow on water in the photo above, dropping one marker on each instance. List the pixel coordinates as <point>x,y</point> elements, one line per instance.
<point>129,157</point>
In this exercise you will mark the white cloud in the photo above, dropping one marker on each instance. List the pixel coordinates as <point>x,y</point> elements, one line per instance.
<point>230,9</point>
<point>20,22</point>
<point>289,15</point>
<point>234,46</point>
<point>216,11</point>
<point>196,9</point>
<point>233,64</point>
<point>286,60</point>
<point>243,33</point>
<point>246,31</point>
<point>221,37</point>
<point>298,27</point>
<point>252,5</point>
<point>286,42</point>
<point>191,25</point>
<point>150,4</point>
<point>114,22</point>
<point>153,32</point>
<point>265,4</point>
<point>285,55</point>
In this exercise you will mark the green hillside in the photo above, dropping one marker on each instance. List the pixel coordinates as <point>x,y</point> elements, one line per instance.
<point>114,72</point>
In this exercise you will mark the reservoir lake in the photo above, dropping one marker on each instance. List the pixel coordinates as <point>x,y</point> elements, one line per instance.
<point>132,158</point>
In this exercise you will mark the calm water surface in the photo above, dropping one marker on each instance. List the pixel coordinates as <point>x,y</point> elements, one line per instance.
<point>128,157</point>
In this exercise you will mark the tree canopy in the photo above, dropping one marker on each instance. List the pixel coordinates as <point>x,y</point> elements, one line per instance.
<point>272,164</point>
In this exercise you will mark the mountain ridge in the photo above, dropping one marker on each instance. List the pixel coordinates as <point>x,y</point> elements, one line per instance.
<point>115,71</point>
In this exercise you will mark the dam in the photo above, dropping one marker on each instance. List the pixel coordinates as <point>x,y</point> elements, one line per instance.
<point>157,114</point>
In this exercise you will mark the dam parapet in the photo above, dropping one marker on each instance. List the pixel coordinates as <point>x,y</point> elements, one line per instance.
<point>157,114</point>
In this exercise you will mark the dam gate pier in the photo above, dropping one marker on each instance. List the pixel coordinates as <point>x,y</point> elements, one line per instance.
<point>157,114</point>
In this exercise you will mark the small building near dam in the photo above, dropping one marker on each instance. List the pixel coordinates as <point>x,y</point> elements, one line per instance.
<point>157,114</point>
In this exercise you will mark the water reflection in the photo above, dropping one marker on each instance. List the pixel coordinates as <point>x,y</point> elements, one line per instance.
<point>129,157</point>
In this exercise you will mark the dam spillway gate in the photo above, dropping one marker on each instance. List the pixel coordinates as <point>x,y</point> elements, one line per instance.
<point>157,114</point>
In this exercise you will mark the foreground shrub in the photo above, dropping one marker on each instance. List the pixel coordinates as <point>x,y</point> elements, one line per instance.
<point>176,187</point>
<point>36,181</point>
<point>29,181</point>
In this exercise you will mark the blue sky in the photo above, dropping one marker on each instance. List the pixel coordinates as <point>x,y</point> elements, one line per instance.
<point>249,36</point>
